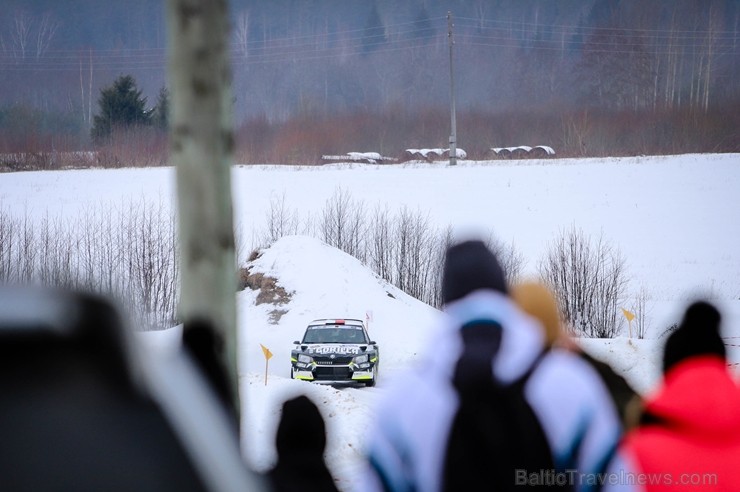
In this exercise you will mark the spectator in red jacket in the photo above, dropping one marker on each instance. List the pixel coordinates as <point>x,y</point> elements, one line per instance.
<point>689,435</point>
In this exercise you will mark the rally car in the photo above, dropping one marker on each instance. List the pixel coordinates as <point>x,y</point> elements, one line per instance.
<point>335,351</point>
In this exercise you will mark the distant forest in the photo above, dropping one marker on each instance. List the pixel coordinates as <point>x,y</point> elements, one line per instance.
<point>587,77</point>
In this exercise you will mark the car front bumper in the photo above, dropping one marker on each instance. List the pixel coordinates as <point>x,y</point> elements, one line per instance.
<point>334,374</point>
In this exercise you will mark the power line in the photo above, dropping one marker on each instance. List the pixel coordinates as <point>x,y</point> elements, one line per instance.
<point>354,42</point>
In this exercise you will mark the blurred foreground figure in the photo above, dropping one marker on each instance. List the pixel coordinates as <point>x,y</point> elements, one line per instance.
<point>538,301</point>
<point>81,409</point>
<point>689,435</point>
<point>300,443</point>
<point>492,408</point>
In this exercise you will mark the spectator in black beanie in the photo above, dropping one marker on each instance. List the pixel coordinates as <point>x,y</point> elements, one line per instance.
<point>698,334</point>
<point>300,443</point>
<point>470,266</point>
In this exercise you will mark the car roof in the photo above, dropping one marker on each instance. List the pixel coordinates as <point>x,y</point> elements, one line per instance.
<point>338,321</point>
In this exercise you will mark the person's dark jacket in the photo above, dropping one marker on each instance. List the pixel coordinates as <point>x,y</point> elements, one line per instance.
<point>622,394</point>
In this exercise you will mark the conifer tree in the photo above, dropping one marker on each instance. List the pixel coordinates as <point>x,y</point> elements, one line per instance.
<point>160,114</point>
<point>121,106</point>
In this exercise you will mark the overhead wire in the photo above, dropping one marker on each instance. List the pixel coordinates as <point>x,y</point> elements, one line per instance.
<point>480,33</point>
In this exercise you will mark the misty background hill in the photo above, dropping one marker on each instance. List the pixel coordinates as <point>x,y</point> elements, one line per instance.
<point>580,75</point>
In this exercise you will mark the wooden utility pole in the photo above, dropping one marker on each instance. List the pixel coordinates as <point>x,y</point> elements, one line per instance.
<point>201,148</point>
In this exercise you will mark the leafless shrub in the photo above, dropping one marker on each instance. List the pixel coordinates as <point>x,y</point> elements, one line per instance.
<point>443,241</point>
<point>8,226</point>
<point>281,221</point>
<point>55,256</point>
<point>151,257</point>
<point>589,280</point>
<point>640,323</point>
<point>415,244</point>
<point>404,249</point>
<point>129,254</point>
<point>380,245</point>
<point>512,261</point>
<point>343,224</point>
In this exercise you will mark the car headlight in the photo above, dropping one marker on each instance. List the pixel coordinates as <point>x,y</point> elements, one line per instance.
<point>304,358</point>
<point>361,359</point>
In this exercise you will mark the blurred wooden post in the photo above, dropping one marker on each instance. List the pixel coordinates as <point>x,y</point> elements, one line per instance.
<point>201,148</point>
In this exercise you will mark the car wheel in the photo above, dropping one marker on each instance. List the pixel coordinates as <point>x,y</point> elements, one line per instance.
<point>291,372</point>
<point>372,382</point>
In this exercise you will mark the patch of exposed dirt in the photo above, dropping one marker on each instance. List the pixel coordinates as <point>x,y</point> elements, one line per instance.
<point>270,292</point>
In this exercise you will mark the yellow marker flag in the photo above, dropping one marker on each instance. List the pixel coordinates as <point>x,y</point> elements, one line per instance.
<point>266,351</point>
<point>627,314</point>
<point>268,355</point>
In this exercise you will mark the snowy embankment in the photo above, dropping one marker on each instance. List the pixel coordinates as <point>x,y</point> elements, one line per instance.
<point>322,282</point>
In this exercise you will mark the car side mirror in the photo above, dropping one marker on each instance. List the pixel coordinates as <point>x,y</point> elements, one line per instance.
<point>373,343</point>
<point>296,342</point>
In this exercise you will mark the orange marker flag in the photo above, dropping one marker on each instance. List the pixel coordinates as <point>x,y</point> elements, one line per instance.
<point>266,351</point>
<point>630,316</point>
<point>268,355</point>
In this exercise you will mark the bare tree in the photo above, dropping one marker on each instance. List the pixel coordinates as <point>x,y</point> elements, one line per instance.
<point>47,28</point>
<point>55,254</point>
<point>639,309</point>
<point>380,244</point>
<point>443,242</point>
<point>589,280</point>
<point>414,254</point>
<point>8,227</point>
<point>152,265</point>
<point>20,33</point>
<point>241,33</point>
<point>512,261</point>
<point>343,224</point>
<point>281,221</point>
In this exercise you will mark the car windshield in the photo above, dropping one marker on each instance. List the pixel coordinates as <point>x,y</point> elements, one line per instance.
<point>334,334</point>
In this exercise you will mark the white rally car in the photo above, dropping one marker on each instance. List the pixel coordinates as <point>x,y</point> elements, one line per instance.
<point>335,351</point>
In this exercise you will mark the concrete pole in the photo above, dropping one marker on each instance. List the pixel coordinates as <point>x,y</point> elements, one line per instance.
<point>453,119</point>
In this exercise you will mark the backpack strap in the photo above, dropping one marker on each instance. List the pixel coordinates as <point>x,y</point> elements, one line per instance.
<point>481,342</point>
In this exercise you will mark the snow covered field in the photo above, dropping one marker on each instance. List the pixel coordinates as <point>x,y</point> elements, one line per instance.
<point>674,219</point>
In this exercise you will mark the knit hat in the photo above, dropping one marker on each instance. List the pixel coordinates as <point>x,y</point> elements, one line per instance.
<point>698,334</point>
<point>538,301</point>
<point>301,430</point>
<point>470,266</point>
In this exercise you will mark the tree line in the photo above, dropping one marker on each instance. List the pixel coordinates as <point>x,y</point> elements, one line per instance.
<point>539,67</point>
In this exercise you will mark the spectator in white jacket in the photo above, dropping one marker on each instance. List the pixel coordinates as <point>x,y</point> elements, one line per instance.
<point>454,421</point>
